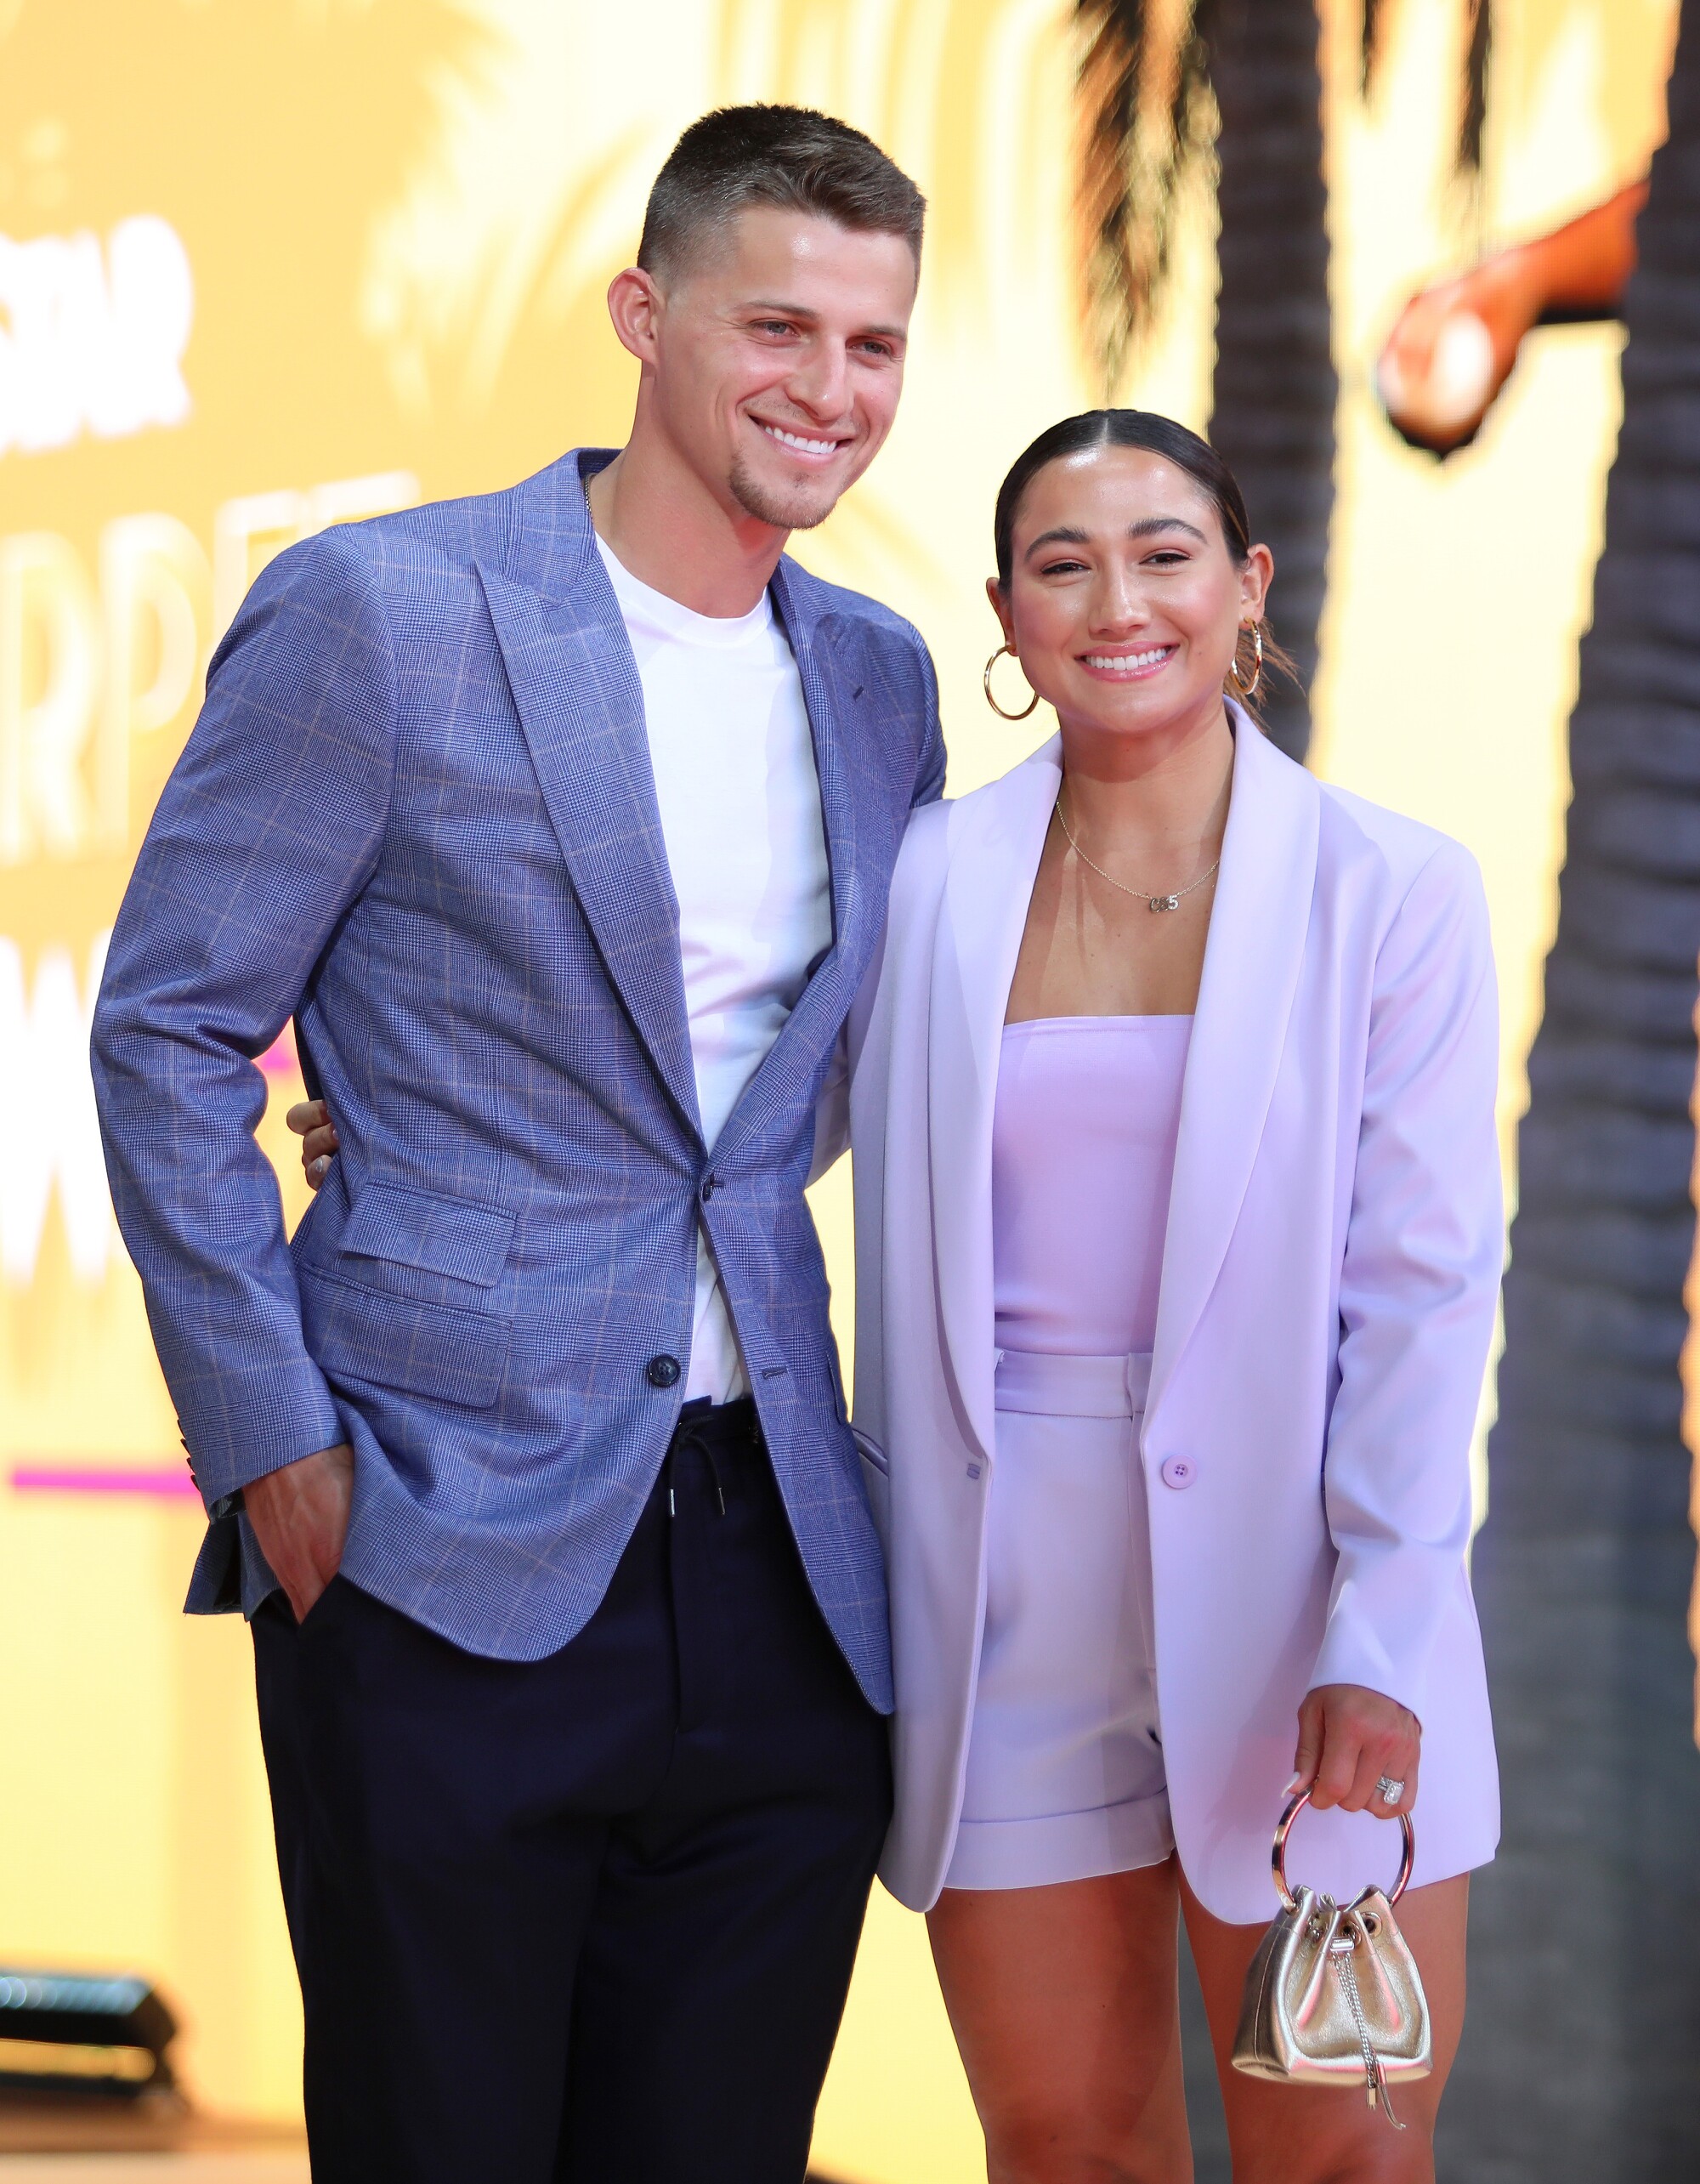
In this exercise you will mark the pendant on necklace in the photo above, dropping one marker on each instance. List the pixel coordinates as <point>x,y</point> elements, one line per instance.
<point>1164,902</point>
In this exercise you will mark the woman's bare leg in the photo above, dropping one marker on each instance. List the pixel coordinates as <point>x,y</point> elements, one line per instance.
<point>1064,2003</point>
<point>1293,2135</point>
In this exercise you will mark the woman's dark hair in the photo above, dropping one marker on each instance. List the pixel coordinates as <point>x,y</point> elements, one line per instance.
<point>1159,435</point>
<point>1122,429</point>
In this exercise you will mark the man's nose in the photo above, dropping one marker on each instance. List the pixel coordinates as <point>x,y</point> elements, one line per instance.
<point>821,382</point>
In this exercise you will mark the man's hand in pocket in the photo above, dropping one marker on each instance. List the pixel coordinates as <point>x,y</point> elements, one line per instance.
<point>300,1517</point>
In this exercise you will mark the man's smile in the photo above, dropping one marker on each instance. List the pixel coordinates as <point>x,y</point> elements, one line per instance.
<point>810,447</point>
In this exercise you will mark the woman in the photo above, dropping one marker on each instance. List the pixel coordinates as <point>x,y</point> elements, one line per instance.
<point>1178,1240</point>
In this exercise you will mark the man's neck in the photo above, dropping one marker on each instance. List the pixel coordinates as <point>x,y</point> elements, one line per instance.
<point>662,524</point>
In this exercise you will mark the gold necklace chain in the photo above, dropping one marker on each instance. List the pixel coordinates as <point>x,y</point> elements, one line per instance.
<point>1139,894</point>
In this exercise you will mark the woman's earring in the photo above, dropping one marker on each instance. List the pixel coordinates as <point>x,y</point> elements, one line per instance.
<point>991,701</point>
<point>1249,689</point>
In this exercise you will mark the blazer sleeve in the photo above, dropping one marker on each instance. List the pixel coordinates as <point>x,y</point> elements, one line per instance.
<point>929,773</point>
<point>1419,1282</point>
<point>267,830</point>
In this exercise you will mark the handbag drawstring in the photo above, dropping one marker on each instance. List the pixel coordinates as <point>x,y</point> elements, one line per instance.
<point>1375,2086</point>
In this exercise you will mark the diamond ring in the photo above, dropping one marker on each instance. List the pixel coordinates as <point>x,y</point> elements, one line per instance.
<point>1391,1791</point>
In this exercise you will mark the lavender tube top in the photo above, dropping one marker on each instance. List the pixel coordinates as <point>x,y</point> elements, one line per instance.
<point>1083,1156</point>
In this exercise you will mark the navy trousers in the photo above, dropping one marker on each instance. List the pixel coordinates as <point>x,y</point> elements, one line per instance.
<point>588,1920</point>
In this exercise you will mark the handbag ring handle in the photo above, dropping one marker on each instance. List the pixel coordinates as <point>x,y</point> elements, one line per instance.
<point>1277,1860</point>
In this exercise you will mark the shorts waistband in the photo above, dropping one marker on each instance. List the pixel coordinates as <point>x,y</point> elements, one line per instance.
<point>1073,1387</point>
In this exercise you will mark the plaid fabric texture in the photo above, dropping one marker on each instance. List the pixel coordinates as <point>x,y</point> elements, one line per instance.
<point>417,814</point>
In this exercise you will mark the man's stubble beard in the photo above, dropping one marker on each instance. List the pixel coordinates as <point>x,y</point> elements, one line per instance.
<point>769,509</point>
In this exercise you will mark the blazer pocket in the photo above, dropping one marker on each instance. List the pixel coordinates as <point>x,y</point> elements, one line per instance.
<point>404,1226</point>
<point>441,1350</point>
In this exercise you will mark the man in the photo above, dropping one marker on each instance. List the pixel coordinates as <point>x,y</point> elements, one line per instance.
<point>562,821</point>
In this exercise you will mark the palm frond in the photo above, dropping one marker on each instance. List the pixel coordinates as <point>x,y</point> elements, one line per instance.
<point>1478,38</point>
<point>1146,117</point>
<point>1374,25</point>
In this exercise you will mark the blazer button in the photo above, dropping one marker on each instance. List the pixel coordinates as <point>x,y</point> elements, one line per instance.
<point>662,1371</point>
<point>1178,1471</point>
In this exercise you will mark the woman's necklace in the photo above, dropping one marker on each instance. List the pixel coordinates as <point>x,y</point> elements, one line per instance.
<point>1140,894</point>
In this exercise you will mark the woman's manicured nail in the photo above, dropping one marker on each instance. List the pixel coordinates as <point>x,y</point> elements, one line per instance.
<point>1297,1782</point>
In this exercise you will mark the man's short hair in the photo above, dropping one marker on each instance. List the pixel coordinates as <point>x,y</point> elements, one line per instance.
<point>789,157</point>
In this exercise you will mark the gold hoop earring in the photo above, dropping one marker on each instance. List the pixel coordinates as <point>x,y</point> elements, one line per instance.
<point>987,679</point>
<point>1249,689</point>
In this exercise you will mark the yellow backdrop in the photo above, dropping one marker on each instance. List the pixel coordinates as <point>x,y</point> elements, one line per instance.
<point>265,265</point>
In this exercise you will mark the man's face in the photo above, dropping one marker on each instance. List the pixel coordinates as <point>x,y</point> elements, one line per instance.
<point>778,361</point>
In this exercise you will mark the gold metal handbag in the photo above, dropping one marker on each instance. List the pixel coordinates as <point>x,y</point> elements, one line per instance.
<point>1334,1996</point>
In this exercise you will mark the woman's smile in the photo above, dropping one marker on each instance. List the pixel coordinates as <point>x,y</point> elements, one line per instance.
<point>1124,666</point>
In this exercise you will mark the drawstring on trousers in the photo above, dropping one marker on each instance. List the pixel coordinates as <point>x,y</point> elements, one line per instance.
<point>700,1443</point>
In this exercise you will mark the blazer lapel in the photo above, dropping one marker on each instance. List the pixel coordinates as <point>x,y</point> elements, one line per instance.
<point>1252,959</point>
<point>848,768</point>
<point>574,682</point>
<point>997,840</point>
<point>833,722</point>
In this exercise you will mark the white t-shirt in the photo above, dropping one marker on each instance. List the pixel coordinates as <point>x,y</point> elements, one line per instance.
<point>740,800</point>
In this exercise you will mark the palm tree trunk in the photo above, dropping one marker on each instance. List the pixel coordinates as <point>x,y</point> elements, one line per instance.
<point>1274,423</point>
<point>1585,1957</point>
<point>1275,383</point>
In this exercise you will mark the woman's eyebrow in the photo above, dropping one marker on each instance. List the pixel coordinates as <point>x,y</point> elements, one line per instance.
<point>1071,535</point>
<point>1149,524</point>
<point>1062,535</point>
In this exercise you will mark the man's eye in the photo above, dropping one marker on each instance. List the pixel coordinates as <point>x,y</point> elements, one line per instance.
<point>774,325</point>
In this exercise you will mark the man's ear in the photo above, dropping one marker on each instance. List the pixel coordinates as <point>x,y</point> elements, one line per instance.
<point>636,304</point>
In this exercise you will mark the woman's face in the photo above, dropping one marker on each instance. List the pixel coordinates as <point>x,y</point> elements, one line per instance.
<point>1124,603</point>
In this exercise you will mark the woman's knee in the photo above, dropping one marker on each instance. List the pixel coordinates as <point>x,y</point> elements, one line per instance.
<point>1041,2157</point>
<point>1052,2141</point>
<point>1381,2157</point>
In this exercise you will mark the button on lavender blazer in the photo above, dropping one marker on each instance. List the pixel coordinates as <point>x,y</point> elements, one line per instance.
<point>1329,1286</point>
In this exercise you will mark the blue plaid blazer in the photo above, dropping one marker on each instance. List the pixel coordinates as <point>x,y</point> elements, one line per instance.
<point>417,814</point>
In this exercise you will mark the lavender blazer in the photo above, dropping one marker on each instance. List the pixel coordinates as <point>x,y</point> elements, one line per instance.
<point>1329,1285</point>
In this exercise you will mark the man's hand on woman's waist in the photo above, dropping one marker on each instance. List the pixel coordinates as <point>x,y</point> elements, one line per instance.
<point>310,1121</point>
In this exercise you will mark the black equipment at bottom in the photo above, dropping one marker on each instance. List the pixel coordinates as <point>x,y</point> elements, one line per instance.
<point>64,2031</point>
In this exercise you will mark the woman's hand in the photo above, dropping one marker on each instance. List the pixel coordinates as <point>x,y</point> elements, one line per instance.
<point>1349,1739</point>
<point>310,1121</point>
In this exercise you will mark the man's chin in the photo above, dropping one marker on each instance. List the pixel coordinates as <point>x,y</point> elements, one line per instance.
<point>800,506</point>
